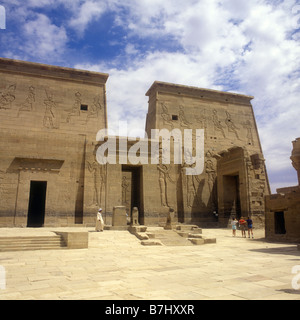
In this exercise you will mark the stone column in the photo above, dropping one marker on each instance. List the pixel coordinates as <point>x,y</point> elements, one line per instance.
<point>295,157</point>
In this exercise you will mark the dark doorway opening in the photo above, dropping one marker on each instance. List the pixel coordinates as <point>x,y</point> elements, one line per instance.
<point>232,200</point>
<point>134,181</point>
<point>279,222</point>
<point>37,201</point>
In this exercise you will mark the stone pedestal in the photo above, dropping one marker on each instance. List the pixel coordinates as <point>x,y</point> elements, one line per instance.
<point>119,218</point>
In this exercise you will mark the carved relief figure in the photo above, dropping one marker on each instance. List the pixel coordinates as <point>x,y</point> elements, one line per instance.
<point>192,183</point>
<point>166,116</point>
<point>203,122</point>
<point>230,125</point>
<point>125,186</point>
<point>93,111</point>
<point>217,123</point>
<point>27,105</point>
<point>50,117</point>
<point>164,176</point>
<point>75,111</point>
<point>182,118</point>
<point>98,172</point>
<point>211,179</point>
<point>192,186</point>
<point>7,97</point>
<point>250,139</point>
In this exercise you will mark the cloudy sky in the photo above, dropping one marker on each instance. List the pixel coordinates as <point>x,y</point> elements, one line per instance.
<point>250,47</point>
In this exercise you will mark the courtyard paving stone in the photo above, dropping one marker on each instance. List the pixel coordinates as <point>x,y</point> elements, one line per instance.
<point>117,267</point>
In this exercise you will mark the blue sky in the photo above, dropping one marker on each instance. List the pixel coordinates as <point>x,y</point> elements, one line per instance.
<point>250,47</point>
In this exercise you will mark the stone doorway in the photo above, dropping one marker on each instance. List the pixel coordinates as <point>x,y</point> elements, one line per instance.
<point>132,190</point>
<point>279,222</point>
<point>37,202</point>
<point>232,199</point>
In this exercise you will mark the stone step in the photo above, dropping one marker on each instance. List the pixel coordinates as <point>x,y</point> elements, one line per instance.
<point>202,240</point>
<point>30,243</point>
<point>151,242</point>
<point>188,228</point>
<point>170,238</point>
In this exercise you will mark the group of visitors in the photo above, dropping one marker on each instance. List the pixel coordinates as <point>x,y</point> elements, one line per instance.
<point>244,226</point>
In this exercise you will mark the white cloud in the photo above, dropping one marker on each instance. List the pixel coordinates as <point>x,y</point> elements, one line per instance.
<point>87,12</point>
<point>44,39</point>
<point>245,46</point>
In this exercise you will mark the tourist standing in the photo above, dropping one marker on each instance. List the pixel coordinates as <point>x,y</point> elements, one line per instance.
<point>234,222</point>
<point>243,226</point>
<point>250,227</point>
<point>99,221</point>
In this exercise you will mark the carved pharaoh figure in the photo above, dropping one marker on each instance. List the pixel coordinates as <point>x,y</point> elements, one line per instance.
<point>203,122</point>
<point>183,121</point>
<point>50,117</point>
<point>217,123</point>
<point>125,186</point>
<point>166,116</point>
<point>29,101</point>
<point>7,97</point>
<point>98,180</point>
<point>164,177</point>
<point>75,111</point>
<point>230,124</point>
<point>248,126</point>
<point>95,107</point>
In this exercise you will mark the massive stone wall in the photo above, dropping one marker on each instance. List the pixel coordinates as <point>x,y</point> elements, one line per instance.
<point>283,209</point>
<point>228,122</point>
<point>49,120</point>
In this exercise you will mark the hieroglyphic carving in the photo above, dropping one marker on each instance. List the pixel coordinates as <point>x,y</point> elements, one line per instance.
<point>217,123</point>
<point>27,105</point>
<point>230,124</point>
<point>75,111</point>
<point>166,116</point>
<point>192,183</point>
<point>183,121</point>
<point>211,180</point>
<point>192,187</point>
<point>248,126</point>
<point>164,177</point>
<point>96,106</point>
<point>7,97</point>
<point>99,180</point>
<point>202,119</point>
<point>50,117</point>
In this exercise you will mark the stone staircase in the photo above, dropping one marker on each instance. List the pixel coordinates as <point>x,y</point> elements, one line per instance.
<point>23,243</point>
<point>194,234</point>
<point>182,235</point>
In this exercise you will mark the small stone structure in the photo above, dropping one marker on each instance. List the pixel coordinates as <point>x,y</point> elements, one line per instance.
<point>283,209</point>
<point>119,218</point>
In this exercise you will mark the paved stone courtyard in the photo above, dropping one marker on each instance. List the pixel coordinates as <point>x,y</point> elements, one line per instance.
<point>117,267</point>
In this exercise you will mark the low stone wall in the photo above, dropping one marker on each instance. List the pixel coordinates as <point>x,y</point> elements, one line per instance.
<point>74,240</point>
